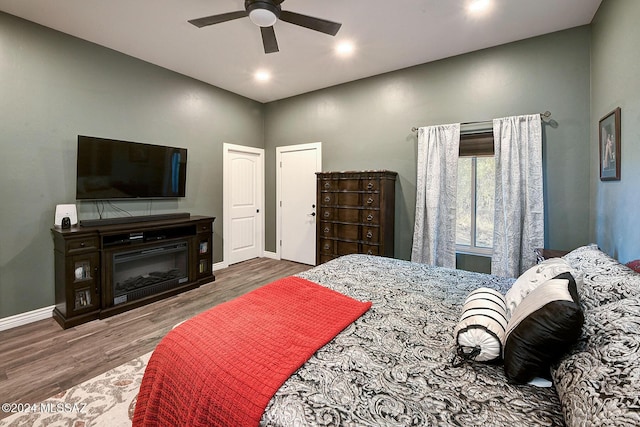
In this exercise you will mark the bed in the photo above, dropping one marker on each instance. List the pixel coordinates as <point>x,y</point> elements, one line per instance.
<point>393,365</point>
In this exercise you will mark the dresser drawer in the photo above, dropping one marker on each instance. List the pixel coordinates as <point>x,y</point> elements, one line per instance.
<point>372,184</point>
<point>356,216</point>
<point>371,234</point>
<point>325,257</point>
<point>371,200</point>
<point>326,229</point>
<point>371,249</point>
<point>347,231</point>
<point>328,199</point>
<point>346,248</point>
<point>340,214</point>
<point>343,231</point>
<point>370,217</point>
<point>347,199</point>
<point>340,184</point>
<point>327,214</point>
<point>327,246</point>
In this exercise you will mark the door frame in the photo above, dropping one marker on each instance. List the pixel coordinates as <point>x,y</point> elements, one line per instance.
<point>284,149</point>
<point>226,198</point>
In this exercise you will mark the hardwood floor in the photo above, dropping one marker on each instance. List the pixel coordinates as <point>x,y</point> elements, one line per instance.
<point>41,359</point>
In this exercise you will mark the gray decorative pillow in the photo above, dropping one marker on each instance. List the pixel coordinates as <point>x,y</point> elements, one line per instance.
<point>534,277</point>
<point>605,279</point>
<point>599,382</point>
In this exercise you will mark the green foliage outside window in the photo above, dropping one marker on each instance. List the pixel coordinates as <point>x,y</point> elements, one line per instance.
<point>475,202</point>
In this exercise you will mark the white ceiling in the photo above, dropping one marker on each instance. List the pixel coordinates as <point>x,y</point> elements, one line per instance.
<point>388,35</point>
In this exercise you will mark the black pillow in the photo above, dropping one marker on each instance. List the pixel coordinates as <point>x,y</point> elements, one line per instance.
<point>542,328</point>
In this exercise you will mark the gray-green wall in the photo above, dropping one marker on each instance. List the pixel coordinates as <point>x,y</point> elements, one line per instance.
<point>615,82</point>
<point>54,87</point>
<point>366,124</point>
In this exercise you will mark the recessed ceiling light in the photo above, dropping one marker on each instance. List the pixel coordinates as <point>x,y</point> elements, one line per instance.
<point>478,6</point>
<point>345,49</point>
<point>262,76</point>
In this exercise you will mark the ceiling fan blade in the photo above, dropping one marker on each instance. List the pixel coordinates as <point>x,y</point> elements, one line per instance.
<point>216,19</point>
<point>317,24</point>
<point>269,40</point>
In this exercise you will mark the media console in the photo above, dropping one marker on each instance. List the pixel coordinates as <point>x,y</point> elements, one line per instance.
<point>108,268</point>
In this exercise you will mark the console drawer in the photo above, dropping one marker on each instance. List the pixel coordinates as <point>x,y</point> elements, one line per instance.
<point>88,243</point>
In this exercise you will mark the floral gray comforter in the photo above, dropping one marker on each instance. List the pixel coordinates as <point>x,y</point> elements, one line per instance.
<point>393,366</point>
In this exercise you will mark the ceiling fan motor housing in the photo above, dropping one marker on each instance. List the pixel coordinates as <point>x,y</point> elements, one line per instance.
<point>263,13</point>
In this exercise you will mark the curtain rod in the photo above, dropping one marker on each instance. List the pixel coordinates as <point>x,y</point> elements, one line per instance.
<point>544,116</point>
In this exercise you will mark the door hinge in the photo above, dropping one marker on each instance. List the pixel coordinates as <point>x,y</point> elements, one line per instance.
<point>280,242</point>
<point>280,203</point>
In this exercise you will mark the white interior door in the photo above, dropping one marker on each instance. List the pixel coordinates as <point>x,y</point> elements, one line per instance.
<point>243,201</point>
<point>297,201</point>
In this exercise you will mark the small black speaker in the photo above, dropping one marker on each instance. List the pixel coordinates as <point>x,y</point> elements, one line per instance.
<point>66,222</point>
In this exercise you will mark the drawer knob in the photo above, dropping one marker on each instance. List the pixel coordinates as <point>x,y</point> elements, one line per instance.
<point>326,214</point>
<point>82,244</point>
<point>327,199</point>
<point>369,217</point>
<point>370,186</point>
<point>370,200</point>
<point>326,247</point>
<point>369,252</point>
<point>327,185</point>
<point>326,229</point>
<point>369,234</point>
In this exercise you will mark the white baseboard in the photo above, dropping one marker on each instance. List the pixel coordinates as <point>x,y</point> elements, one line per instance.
<point>272,255</point>
<point>26,318</point>
<point>219,266</point>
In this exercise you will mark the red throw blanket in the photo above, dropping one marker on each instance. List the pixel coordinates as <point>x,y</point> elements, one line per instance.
<point>222,367</point>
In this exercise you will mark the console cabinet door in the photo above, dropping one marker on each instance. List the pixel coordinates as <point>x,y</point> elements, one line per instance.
<point>83,275</point>
<point>204,250</point>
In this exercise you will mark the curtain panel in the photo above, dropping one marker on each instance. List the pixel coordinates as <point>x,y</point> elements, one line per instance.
<point>519,203</point>
<point>434,233</point>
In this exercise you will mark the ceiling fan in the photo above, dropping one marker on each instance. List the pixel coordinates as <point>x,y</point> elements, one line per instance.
<point>265,13</point>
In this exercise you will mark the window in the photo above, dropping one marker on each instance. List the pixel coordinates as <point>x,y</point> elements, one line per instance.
<point>476,194</point>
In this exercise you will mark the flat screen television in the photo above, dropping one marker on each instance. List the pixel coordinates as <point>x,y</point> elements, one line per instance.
<point>112,169</point>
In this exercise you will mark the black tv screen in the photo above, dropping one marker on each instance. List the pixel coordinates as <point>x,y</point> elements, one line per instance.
<point>112,169</point>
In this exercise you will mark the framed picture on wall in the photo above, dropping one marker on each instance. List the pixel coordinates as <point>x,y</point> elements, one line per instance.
<point>610,159</point>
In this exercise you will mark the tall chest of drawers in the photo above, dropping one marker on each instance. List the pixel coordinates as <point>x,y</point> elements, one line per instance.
<point>355,213</point>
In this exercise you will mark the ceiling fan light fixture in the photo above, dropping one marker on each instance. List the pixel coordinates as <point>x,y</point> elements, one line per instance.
<point>262,18</point>
<point>263,13</point>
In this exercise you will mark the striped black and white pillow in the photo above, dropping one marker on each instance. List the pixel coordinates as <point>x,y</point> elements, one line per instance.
<point>480,331</point>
